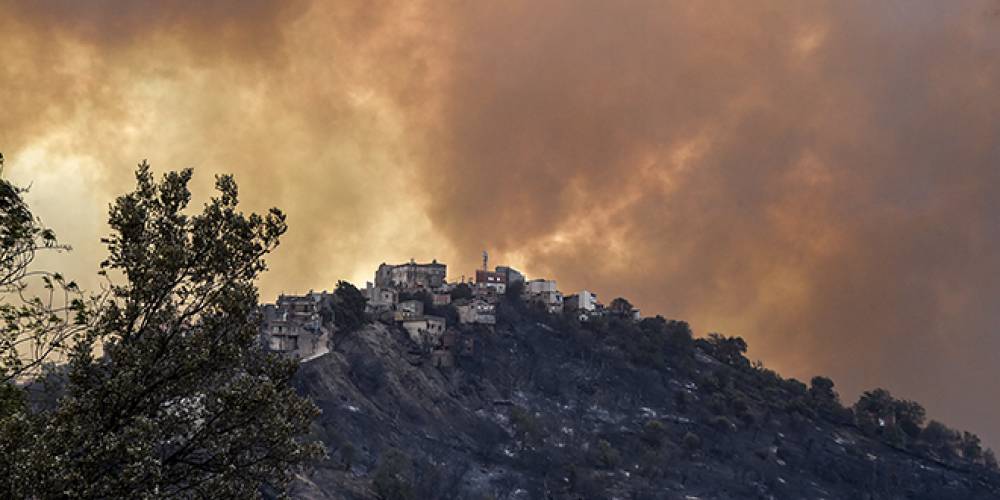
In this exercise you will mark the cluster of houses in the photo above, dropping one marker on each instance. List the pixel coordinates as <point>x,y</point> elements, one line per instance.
<point>298,325</point>
<point>409,295</point>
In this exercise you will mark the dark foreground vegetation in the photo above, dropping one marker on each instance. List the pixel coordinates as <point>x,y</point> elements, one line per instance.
<point>161,389</point>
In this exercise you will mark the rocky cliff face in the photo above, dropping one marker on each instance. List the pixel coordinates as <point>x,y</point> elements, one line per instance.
<point>543,409</point>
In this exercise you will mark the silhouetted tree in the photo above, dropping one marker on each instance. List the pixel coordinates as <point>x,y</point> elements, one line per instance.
<point>180,400</point>
<point>821,389</point>
<point>729,350</point>
<point>349,307</point>
<point>942,440</point>
<point>607,456</point>
<point>461,291</point>
<point>909,416</point>
<point>990,460</point>
<point>31,328</point>
<point>971,447</point>
<point>620,307</point>
<point>875,410</point>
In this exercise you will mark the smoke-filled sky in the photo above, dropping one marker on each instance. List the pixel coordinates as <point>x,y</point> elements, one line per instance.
<point>817,177</point>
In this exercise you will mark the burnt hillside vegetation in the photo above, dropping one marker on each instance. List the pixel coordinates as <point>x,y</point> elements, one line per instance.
<point>543,406</point>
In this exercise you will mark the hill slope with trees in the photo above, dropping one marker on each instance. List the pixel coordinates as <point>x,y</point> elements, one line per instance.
<point>547,407</point>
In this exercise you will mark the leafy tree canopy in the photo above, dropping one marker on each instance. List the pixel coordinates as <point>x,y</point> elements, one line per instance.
<point>168,392</point>
<point>349,307</point>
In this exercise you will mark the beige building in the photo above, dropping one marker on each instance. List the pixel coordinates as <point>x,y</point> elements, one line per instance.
<point>426,331</point>
<point>477,311</point>
<point>411,275</point>
<point>299,326</point>
<point>409,309</point>
<point>380,298</point>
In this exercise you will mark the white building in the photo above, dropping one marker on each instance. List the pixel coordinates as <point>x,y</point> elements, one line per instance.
<point>545,292</point>
<point>584,301</point>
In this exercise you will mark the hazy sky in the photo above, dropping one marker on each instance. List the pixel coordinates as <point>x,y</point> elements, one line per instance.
<point>817,177</point>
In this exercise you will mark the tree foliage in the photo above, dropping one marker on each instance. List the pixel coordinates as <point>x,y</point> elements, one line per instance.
<point>32,328</point>
<point>349,307</point>
<point>621,306</point>
<point>729,350</point>
<point>169,393</point>
<point>461,291</point>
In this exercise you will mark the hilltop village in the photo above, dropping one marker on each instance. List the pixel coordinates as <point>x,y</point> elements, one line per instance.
<point>423,303</point>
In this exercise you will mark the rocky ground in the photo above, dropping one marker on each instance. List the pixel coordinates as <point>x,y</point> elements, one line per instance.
<point>542,411</point>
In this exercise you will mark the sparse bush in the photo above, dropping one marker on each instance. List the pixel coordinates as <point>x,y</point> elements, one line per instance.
<point>710,384</point>
<point>739,406</point>
<point>653,433</point>
<point>717,404</point>
<point>691,442</point>
<point>588,485</point>
<point>729,350</point>
<point>909,416</point>
<point>971,447</point>
<point>768,378</point>
<point>367,373</point>
<point>799,406</point>
<point>941,440</point>
<point>990,460</point>
<point>607,456</point>
<point>651,464</point>
<point>747,417</point>
<point>346,456</point>
<point>620,307</point>
<point>821,390</point>
<point>391,480</point>
<point>681,401</point>
<point>796,387</point>
<point>722,424</point>
<point>527,428</point>
<point>679,338</point>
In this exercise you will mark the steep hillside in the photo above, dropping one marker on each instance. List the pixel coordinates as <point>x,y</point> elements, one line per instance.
<point>545,408</point>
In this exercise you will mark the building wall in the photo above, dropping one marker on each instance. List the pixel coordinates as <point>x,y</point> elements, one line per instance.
<point>586,301</point>
<point>411,275</point>
<point>441,299</point>
<point>493,280</point>
<point>425,331</point>
<point>539,286</point>
<point>477,311</point>
<point>510,274</point>
<point>298,326</point>
<point>409,309</point>
<point>380,298</point>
